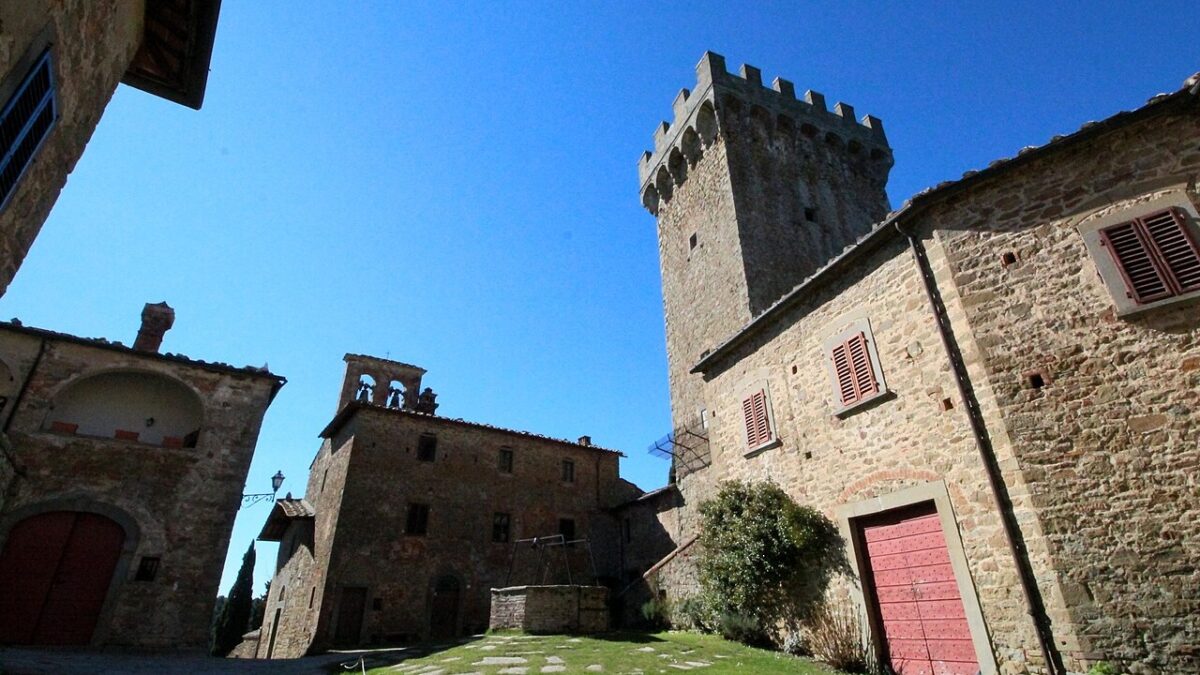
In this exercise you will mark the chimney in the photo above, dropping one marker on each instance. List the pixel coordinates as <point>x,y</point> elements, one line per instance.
<point>585,440</point>
<point>157,319</point>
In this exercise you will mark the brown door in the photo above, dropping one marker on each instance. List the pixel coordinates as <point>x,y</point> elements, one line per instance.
<point>55,572</point>
<point>350,616</point>
<point>920,611</point>
<point>443,619</point>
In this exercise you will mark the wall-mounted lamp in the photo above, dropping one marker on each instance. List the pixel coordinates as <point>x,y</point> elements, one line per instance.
<point>276,482</point>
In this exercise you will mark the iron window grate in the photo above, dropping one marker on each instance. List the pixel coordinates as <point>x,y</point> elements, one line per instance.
<point>26,121</point>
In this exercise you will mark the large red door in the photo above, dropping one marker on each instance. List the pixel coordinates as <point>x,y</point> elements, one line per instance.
<point>55,571</point>
<point>923,620</point>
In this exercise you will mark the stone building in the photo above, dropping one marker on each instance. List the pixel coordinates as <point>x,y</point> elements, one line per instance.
<point>409,519</point>
<point>60,62</point>
<point>123,474</point>
<point>992,390</point>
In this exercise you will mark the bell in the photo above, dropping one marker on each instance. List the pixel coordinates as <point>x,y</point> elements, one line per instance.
<point>394,401</point>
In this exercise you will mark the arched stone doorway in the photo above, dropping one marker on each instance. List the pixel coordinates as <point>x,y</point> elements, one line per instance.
<point>55,572</point>
<point>443,616</point>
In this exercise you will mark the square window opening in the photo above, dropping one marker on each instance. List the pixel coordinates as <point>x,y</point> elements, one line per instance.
<point>427,448</point>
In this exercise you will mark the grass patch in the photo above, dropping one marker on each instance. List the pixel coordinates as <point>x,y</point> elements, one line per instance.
<point>645,653</point>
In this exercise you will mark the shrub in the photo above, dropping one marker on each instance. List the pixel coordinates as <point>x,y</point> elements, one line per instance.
<point>742,628</point>
<point>837,635</point>
<point>796,644</point>
<point>657,613</point>
<point>762,557</point>
<point>1104,668</point>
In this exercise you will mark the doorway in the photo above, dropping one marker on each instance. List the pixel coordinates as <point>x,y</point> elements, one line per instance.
<point>55,573</point>
<point>443,619</point>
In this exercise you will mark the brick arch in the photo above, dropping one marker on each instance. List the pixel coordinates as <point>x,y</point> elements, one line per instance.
<point>862,488</point>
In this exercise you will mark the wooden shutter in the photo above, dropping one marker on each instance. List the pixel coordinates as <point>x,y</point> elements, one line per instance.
<point>758,422</point>
<point>853,372</point>
<point>1155,254</point>
<point>1176,248</point>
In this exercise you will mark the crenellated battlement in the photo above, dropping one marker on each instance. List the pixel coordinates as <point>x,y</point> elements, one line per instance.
<point>722,99</point>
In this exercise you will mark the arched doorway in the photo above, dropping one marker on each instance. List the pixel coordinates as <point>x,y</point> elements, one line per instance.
<point>55,572</point>
<point>443,618</point>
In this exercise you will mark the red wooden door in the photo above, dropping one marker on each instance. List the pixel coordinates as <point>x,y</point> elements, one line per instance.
<point>55,572</point>
<point>920,610</point>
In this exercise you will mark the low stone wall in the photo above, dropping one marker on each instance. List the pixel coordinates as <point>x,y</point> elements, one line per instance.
<point>550,609</point>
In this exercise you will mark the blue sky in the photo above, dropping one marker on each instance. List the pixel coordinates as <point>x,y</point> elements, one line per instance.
<point>454,185</point>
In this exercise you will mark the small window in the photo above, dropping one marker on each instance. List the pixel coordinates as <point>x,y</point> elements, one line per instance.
<point>376,604</point>
<point>427,447</point>
<point>566,527</point>
<point>418,520</point>
<point>692,241</point>
<point>1155,254</point>
<point>505,461</point>
<point>757,417</point>
<point>568,471</point>
<point>312,596</point>
<point>501,523</point>
<point>147,568</point>
<point>25,123</point>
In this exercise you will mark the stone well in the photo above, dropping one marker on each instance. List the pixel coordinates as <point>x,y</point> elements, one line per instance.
<point>550,609</point>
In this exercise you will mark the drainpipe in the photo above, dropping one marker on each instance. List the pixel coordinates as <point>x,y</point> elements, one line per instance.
<point>25,385</point>
<point>1000,496</point>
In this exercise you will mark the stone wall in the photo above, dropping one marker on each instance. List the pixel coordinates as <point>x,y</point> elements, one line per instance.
<point>753,190</point>
<point>1107,446</point>
<point>550,609</point>
<point>94,42</point>
<point>1094,451</point>
<point>362,506</point>
<point>915,435</point>
<point>296,617</point>
<point>176,503</point>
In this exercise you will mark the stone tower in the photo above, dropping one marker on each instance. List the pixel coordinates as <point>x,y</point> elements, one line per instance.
<point>754,190</point>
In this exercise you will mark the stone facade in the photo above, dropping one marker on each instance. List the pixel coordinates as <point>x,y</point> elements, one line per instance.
<point>364,577</point>
<point>1084,411</point>
<point>157,444</point>
<point>94,45</point>
<point>550,609</point>
<point>746,213</point>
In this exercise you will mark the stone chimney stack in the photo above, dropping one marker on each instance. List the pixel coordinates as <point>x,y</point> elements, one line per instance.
<point>157,319</point>
<point>585,440</point>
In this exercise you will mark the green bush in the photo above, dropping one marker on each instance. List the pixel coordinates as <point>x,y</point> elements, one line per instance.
<point>763,558</point>
<point>657,613</point>
<point>1104,668</point>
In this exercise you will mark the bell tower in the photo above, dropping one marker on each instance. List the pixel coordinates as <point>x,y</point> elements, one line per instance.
<point>753,190</point>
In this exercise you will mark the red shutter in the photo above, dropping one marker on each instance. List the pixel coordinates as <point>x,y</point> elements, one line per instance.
<point>853,370</point>
<point>864,374</point>
<point>1176,249</point>
<point>758,423</point>
<point>845,375</point>
<point>1130,252</point>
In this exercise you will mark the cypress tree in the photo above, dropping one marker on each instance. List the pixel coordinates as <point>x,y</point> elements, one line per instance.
<point>234,620</point>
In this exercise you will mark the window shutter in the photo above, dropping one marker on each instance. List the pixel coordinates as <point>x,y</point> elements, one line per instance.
<point>1130,251</point>
<point>860,359</point>
<point>25,122</point>
<point>844,374</point>
<point>758,423</point>
<point>1176,249</point>
<point>853,370</point>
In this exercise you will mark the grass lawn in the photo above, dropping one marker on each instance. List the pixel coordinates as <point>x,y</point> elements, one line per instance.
<point>514,653</point>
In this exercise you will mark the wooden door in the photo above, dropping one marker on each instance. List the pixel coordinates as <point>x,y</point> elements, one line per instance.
<point>920,611</point>
<point>443,619</point>
<point>55,572</point>
<point>350,616</point>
